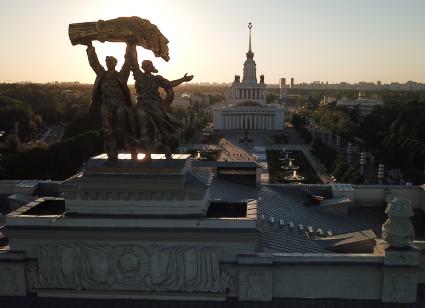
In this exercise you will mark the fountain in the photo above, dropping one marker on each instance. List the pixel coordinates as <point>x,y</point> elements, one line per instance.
<point>290,165</point>
<point>294,177</point>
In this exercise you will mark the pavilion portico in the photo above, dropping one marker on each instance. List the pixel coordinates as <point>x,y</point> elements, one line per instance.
<point>245,106</point>
<point>249,120</point>
<point>248,93</point>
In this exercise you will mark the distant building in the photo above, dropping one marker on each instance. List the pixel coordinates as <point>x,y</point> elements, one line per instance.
<point>182,102</point>
<point>245,106</point>
<point>188,100</point>
<point>327,100</point>
<point>363,104</point>
<point>362,86</point>
<point>203,99</point>
<point>283,89</point>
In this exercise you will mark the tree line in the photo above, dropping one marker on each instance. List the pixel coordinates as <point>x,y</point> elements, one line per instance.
<point>393,132</point>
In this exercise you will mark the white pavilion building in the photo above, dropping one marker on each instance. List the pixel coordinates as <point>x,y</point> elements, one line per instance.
<point>245,106</point>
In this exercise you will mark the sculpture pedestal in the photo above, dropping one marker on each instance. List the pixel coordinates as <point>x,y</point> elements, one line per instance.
<point>157,187</point>
<point>133,229</point>
<point>400,272</point>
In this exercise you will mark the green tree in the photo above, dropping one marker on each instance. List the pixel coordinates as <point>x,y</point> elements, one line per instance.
<point>57,162</point>
<point>270,98</point>
<point>82,122</point>
<point>396,134</point>
<point>13,143</point>
<point>337,121</point>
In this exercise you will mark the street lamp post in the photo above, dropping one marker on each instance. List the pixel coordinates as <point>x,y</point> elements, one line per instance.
<point>311,124</point>
<point>381,169</point>
<point>362,162</point>
<point>338,142</point>
<point>349,151</point>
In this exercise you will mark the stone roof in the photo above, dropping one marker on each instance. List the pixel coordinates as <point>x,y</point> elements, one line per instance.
<point>199,179</point>
<point>282,218</point>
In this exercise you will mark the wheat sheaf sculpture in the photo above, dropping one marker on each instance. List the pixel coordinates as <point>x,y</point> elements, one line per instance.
<point>147,35</point>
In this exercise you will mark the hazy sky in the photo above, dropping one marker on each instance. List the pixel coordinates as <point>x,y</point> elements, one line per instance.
<point>326,40</point>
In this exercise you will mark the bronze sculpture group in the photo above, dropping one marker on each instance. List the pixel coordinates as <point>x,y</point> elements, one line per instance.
<point>147,125</point>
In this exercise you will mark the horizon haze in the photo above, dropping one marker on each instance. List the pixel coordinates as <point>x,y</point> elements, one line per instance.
<point>325,40</point>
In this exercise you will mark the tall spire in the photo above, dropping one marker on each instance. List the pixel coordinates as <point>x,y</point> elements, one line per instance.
<point>249,70</point>
<point>250,54</point>
<point>249,27</point>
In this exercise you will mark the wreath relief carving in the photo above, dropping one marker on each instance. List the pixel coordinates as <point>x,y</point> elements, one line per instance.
<point>131,267</point>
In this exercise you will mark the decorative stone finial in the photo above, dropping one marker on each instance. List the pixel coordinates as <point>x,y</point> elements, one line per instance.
<point>398,229</point>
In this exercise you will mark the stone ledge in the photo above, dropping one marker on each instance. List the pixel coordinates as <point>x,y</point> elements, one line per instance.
<point>312,258</point>
<point>170,296</point>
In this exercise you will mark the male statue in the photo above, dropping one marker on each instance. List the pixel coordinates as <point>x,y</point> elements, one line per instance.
<point>154,124</point>
<point>112,98</point>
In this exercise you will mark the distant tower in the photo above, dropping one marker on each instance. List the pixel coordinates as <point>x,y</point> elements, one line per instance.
<point>249,67</point>
<point>292,82</point>
<point>282,86</point>
<point>379,83</point>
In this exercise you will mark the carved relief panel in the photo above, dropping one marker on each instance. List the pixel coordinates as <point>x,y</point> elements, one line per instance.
<point>130,267</point>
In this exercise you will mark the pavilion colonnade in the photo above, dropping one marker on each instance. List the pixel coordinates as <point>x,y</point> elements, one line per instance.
<point>248,121</point>
<point>248,93</point>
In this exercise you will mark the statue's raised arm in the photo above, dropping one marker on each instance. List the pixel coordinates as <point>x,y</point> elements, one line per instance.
<point>134,64</point>
<point>125,69</point>
<point>93,60</point>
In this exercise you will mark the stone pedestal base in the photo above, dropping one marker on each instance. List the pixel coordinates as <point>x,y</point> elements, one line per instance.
<point>158,187</point>
<point>400,272</point>
<point>399,285</point>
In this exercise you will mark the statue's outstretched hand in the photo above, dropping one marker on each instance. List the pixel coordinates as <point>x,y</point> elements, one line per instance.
<point>187,78</point>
